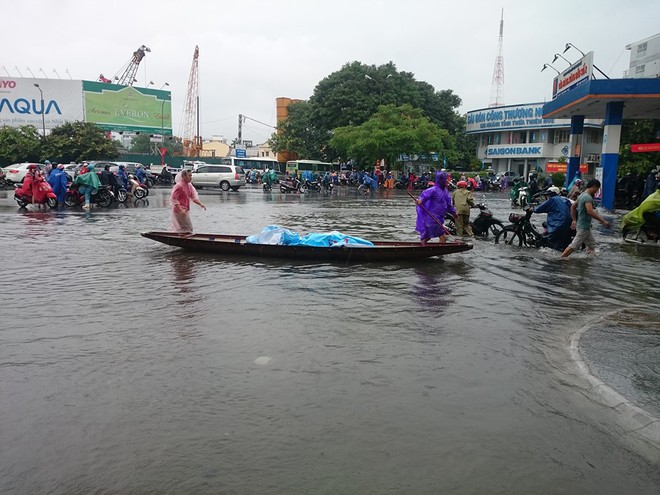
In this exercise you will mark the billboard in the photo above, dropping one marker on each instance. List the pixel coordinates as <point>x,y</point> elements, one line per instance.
<point>578,73</point>
<point>20,102</point>
<point>126,108</point>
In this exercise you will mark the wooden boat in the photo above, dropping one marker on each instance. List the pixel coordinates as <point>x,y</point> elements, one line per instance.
<point>235,245</point>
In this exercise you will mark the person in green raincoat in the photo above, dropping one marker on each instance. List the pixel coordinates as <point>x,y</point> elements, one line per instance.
<point>270,177</point>
<point>647,212</point>
<point>517,184</point>
<point>88,184</point>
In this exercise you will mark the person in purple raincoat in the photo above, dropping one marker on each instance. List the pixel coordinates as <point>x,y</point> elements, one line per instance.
<point>432,206</point>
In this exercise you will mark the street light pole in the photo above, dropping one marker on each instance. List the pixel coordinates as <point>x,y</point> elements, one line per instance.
<point>43,111</point>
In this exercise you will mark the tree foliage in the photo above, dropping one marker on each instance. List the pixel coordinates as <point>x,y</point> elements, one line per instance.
<point>76,141</point>
<point>636,132</point>
<point>351,96</point>
<point>141,143</point>
<point>18,145</point>
<point>390,132</point>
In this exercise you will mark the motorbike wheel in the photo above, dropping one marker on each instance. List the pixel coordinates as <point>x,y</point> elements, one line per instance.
<point>494,228</point>
<point>509,235</point>
<point>70,200</point>
<point>523,202</point>
<point>302,189</point>
<point>122,196</point>
<point>21,202</point>
<point>450,226</point>
<point>140,193</point>
<point>362,189</point>
<point>52,203</point>
<point>104,199</point>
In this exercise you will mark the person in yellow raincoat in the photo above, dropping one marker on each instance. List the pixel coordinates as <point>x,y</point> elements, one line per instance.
<point>646,213</point>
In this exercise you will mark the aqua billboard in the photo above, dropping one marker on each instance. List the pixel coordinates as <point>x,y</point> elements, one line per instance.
<point>126,108</point>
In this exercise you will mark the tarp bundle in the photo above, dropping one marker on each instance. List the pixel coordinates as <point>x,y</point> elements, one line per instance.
<point>273,234</point>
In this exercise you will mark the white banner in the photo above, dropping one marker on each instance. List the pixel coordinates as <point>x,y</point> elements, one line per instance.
<point>20,102</point>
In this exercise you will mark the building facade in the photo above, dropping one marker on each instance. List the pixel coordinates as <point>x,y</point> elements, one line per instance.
<point>644,58</point>
<point>518,138</point>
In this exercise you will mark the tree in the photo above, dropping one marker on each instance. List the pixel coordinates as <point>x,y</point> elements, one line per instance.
<point>19,144</point>
<point>76,141</point>
<point>141,143</point>
<point>638,132</point>
<point>299,134</point>
<point>390,132</point>
<point>350,96</point>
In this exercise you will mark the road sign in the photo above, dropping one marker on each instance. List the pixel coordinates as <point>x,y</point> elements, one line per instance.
<point>241,153</point>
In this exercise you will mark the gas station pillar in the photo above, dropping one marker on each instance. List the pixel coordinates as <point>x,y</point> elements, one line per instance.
<point>610,152</point>
<point>575,155</point>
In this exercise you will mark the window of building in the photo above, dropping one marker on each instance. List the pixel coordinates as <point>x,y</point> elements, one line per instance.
<point>641,49</point>
<point>562,136</point>
<point>594,136</point>
<point>534,136</point>
<point>640,69</point>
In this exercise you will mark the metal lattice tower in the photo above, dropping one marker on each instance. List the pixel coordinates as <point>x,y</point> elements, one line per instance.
<point>128,76</point>
<point>497,87</point>
<point>192,141</point>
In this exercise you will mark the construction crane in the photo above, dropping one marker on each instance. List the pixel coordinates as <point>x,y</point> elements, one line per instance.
<point>192,141</point>
<point>127,77</point>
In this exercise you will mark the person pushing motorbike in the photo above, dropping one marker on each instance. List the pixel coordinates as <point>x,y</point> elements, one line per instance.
<point>559,220</point>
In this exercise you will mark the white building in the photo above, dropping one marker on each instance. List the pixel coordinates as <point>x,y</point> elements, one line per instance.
<point>518,138</point>
<point>644,58</point>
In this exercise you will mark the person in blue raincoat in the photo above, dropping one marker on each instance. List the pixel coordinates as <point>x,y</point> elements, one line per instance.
<point>140,174</point>
<point>58,180</point>
<point>559,221</point>
<point>123,177</point>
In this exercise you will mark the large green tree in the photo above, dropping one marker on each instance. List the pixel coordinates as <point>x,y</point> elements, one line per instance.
<point>76,141</point>
<point>350,96</point>
<point>18,145</point>
<point>390,132</point>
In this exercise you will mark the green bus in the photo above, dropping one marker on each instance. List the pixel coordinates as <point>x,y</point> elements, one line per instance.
<point>316,167</point>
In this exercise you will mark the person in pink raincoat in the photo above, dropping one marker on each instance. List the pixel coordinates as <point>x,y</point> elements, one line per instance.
<point>183,193</point>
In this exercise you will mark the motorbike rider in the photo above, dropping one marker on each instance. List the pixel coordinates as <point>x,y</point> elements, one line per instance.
<point>58,180</point>
<point>89,183</point>
<point>575,190</point>
<point>140,174</point>
<point>123,176</point>
<point>517,185</point>
<point>269,177</point>
<point>648,212</point>
<point>559,220</point>
<point>166,175</point>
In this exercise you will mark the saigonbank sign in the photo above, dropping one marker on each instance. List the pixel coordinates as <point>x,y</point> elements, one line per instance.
<point>515,151</point>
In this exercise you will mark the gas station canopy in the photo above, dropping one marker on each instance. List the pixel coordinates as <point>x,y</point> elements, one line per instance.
<point>640,97</point>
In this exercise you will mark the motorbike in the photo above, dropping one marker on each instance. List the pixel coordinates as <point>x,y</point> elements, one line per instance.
<point>492,185</point>
<point>312,185</point>
<point>138,189</point>
<point>23,199</point>
<point>522,199</point>
<point>292,185</point>
<point>482,226</point>
<point>648,234</point>
<point>3,180</point>
<point>102,197</point>
<point>267,187</point>
<point>523,233</point>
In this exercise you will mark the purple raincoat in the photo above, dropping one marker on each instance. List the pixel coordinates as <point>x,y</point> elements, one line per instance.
<point>437,200</point>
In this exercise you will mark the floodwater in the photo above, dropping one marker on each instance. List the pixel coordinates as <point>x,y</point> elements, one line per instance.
<point>127,366</point>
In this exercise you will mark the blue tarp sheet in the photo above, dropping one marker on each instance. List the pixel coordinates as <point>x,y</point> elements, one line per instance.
<point>273,234</point>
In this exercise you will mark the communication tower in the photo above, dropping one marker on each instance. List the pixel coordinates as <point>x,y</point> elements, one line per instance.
<point>192,141</point>
<point>497,86</point>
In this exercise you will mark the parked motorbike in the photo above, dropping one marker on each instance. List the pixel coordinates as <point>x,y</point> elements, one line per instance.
<point>102,197</point>
<point>138,189</point>
<point>292,185</point>
<point>523,197</point>
<point>648,234</point>
<point>312,185</point>
<point>483,225</point>
<point>25,198</point>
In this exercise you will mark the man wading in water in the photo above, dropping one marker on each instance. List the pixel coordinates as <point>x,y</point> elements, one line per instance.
<point>582,212</point>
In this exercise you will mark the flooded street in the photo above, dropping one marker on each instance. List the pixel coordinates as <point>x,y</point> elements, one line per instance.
<point>128,366</point>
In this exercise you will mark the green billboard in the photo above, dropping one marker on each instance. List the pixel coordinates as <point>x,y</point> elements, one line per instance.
<point>125,108</point>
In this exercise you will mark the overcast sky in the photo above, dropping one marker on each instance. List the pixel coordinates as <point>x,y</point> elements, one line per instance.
<point>252,51</point>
